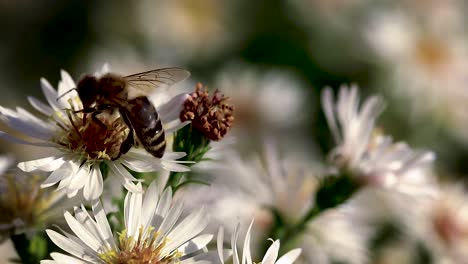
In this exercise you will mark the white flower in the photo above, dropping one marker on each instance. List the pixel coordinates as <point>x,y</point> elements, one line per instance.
<point>270,257</point>
<point>372,158</point>
<point>441,222</point>
<point>428,59</point>
<point>270,101</point>
<point>25,207</point>
<point>85,145</point>
<point>153,233</point>
<point>243,188</point>
<point>191,30</point>
<point>334,237</point>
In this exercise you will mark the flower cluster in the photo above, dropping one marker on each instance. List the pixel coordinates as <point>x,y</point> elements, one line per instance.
<point>162,211</point>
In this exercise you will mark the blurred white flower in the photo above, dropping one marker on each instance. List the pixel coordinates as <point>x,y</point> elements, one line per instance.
<point>263,187</point>
<point>334,237</point>
<point>428,59</point>
<point>272,98</point>
<point>153,233</point>
<point>270,256</point>
<point>25,207</point>
<point>372,158</point>
<point>191,30</point>
<point>272,102</point>
<point>84,147</point>
<point>442,223</point>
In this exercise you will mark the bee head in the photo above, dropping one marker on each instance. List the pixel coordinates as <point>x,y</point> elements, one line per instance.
<point>87,89</point>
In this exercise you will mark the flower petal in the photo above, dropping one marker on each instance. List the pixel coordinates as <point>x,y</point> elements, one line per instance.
<point>93,189</point>
<point>69,245</point>
<point>289,257</point>
<point>45,164</point>
<point>272,253</point>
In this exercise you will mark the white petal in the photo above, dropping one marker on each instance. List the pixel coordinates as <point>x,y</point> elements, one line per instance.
<point>149,204</point>
<point>272,253</point>
<point>61,258</point>
<point>190,227</point>
<point>171,110</point>
<point>93,189</point>
<point>44,164</point>
<point>67,81</point>
<point>16,140</point>
<point>80,178</point>
<point>69,245</point>
<point>141,162</point>
<point>5,163</point>
<point>103,224</point>
<point>174,126</point>
<point>206,257</point>
<point>195,244</point>
<point>246,255</point>
<point>24,122</point>
<point>219,243</point>
<point>168,223</point>
<point>328,109</point>
<point>163,207</point>
<point>234,237</point>
<point>132,209</point>
<point>61,173</point>
<point>289,257</point>
<point>123,176</point>
<point>174,166</point>
<point>40,106</point>
<point>90,239</point>
<point>51,95</point>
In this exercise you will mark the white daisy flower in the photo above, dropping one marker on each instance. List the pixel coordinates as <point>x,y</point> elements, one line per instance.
<point>254,93</point>
<point>270,257</point>
<point>372,158</point>
<point>153,233</point>
<point>191,30</point>
<point>334,237</point>
<point>428,59</point>
<point>262,187</point>
<point>26,207</point>
<point>262,104</point>
<point>85,145</point>
<point>441,222</point>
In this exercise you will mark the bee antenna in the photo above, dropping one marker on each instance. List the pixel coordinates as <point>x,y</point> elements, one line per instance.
<point>65,93</point>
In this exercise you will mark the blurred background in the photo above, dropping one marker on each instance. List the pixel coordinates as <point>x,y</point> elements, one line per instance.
<point>272,58</point>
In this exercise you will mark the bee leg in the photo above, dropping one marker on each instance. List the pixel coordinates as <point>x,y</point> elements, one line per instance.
<point>97,120</point>
<point>130,140</point>
<point>129,124</point>
<point>73,123</point>
<point>127,144</point>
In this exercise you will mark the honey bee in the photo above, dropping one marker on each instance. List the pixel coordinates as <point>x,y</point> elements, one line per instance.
<point>128,95</point>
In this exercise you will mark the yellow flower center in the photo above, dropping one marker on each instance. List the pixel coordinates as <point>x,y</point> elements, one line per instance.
<point>146,249</point>
<point>97,137</point>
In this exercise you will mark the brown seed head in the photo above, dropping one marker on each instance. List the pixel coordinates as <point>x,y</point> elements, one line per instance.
<point>213,116</point>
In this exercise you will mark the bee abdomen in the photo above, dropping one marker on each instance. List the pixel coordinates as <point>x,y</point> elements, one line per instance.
<point>147,125</point>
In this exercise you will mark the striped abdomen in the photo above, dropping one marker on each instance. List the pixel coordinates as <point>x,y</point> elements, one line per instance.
<point>141,116</point>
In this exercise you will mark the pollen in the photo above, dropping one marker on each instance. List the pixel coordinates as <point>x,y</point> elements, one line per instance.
<point>212,116</point>
<point>147,250</point>
<point>98,137</point>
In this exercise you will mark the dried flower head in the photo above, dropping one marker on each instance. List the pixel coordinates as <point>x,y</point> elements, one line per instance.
<point>212,116</point>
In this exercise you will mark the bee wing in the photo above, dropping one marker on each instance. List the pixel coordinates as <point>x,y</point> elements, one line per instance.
<point>142,84</point>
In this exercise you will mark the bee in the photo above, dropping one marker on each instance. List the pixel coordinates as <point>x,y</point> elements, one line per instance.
<point>128,95</point>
